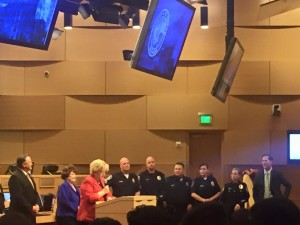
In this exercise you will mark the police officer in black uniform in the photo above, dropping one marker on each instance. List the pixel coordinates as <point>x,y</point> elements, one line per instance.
<point>178,193</point>
<point>124,183</point>
<point>205,188</point>
<point>235,193</point>
<point>152,181</point>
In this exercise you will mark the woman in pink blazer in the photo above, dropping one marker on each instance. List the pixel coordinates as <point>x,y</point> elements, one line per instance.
<point>93,189</point>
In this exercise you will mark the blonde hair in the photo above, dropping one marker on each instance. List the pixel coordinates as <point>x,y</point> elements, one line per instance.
<point>98,165</point>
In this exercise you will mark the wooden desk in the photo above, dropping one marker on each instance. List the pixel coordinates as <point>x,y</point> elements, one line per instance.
<point>119,207</point>
<point>48,218</point>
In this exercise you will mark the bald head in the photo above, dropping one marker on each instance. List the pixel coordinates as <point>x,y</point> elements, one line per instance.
<point>124,165</point>
<point>150,164</point>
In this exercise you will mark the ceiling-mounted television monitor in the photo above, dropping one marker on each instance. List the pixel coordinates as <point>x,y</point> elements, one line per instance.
<point>227,72</point>
<point>162,37</point>
<point>293,148</point>
<point>28,23</point>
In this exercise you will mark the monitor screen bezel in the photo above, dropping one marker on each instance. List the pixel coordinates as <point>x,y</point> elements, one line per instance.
<point>143,37</point>
<point>44,46</point>
<point>225,63</point>
<point>289,160</point>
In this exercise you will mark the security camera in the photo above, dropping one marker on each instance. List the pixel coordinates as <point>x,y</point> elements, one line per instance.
<point>276,109</point>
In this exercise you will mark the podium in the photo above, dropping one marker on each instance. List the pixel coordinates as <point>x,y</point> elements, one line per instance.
<point>119,207</point>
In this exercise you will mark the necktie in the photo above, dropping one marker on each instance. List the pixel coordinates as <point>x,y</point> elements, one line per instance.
<point>29,178</point>
<point>267,193</point>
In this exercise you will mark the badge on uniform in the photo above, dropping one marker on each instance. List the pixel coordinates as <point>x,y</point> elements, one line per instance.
<point>212,184</point>
<point>158,178</point>
<point>133,180</point>
<point>241,186</point>
<point>187,184</point>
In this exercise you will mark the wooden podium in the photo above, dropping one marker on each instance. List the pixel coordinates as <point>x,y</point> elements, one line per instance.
<point>119,207</point>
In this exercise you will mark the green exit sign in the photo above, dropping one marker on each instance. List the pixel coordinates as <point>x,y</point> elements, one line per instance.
<point>205,119</point>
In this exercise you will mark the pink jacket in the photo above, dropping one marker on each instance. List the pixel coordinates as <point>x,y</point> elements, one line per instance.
<point>89,189</point>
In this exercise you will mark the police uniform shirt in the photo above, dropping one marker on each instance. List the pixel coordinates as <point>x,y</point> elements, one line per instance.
<point>152,184</point>
<point>235,193</point>
<point>123,186</point>
<point>178,190</point>
<point>206,188</point>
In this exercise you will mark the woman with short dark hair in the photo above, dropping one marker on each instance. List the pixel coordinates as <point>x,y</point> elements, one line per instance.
<point>68,197</point>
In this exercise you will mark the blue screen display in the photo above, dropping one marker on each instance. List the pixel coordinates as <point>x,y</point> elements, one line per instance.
<point>162,37</point>
<point>28,23</point>
<point>6,196</point>
<point>294,146</point>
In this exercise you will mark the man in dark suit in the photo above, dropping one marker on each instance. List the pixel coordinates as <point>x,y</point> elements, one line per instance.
<point>267,183</point>
<point>23,195</point>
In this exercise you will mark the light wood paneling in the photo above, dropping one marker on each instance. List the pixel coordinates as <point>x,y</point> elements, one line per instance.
<point>68,146</point>
<point>11,146</point>
<point>106,112</point>
<point>245,146</point>
<point>285,79</point>
<point>181,112</point>
<point>252,78</point>
<point>269,44</point>
<point>31,112</point>
<point>12,79</point>
<point>201,77</point>
<point>290,18</point>
<point>255,113</point>
<point>279,146</point>
<point>246,13</point>
<point>65,78</point>
<point>204,44</point>
<point>138,144</point>
<point>121,79</point>
<point>99,44</point>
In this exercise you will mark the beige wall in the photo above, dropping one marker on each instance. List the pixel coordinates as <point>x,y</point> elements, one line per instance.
<point>92,105</point>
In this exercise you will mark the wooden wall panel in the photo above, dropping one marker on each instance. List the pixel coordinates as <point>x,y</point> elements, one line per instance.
<point>255,113</point>
<point>123,80</point>
<point>11,146</point>
<point>106,112</point>
<point>204,44</point>
<point>279,146</point>
<point>32,112</point>
<point>201,77</point>
<point>12,79</point>
<point>289,18</point>
<point>138,144</point>
<point>99,44</point>
<point>246,13</point>
<point>65,78</point>
<point>181,112</point>
<point>252,78</point>
<point>245,147</point>
<point>269,44</point>
<point>62,147</point>
<point>285,78</point>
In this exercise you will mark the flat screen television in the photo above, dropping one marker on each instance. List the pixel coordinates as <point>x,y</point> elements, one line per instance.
<point>162,37</point>
<point>293,138</point>
<point>28,23</point>
<point>227,72</point>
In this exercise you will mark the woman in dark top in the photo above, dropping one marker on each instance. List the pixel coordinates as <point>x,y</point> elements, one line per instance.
<point>68,197</point>
<point>205,187</point>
